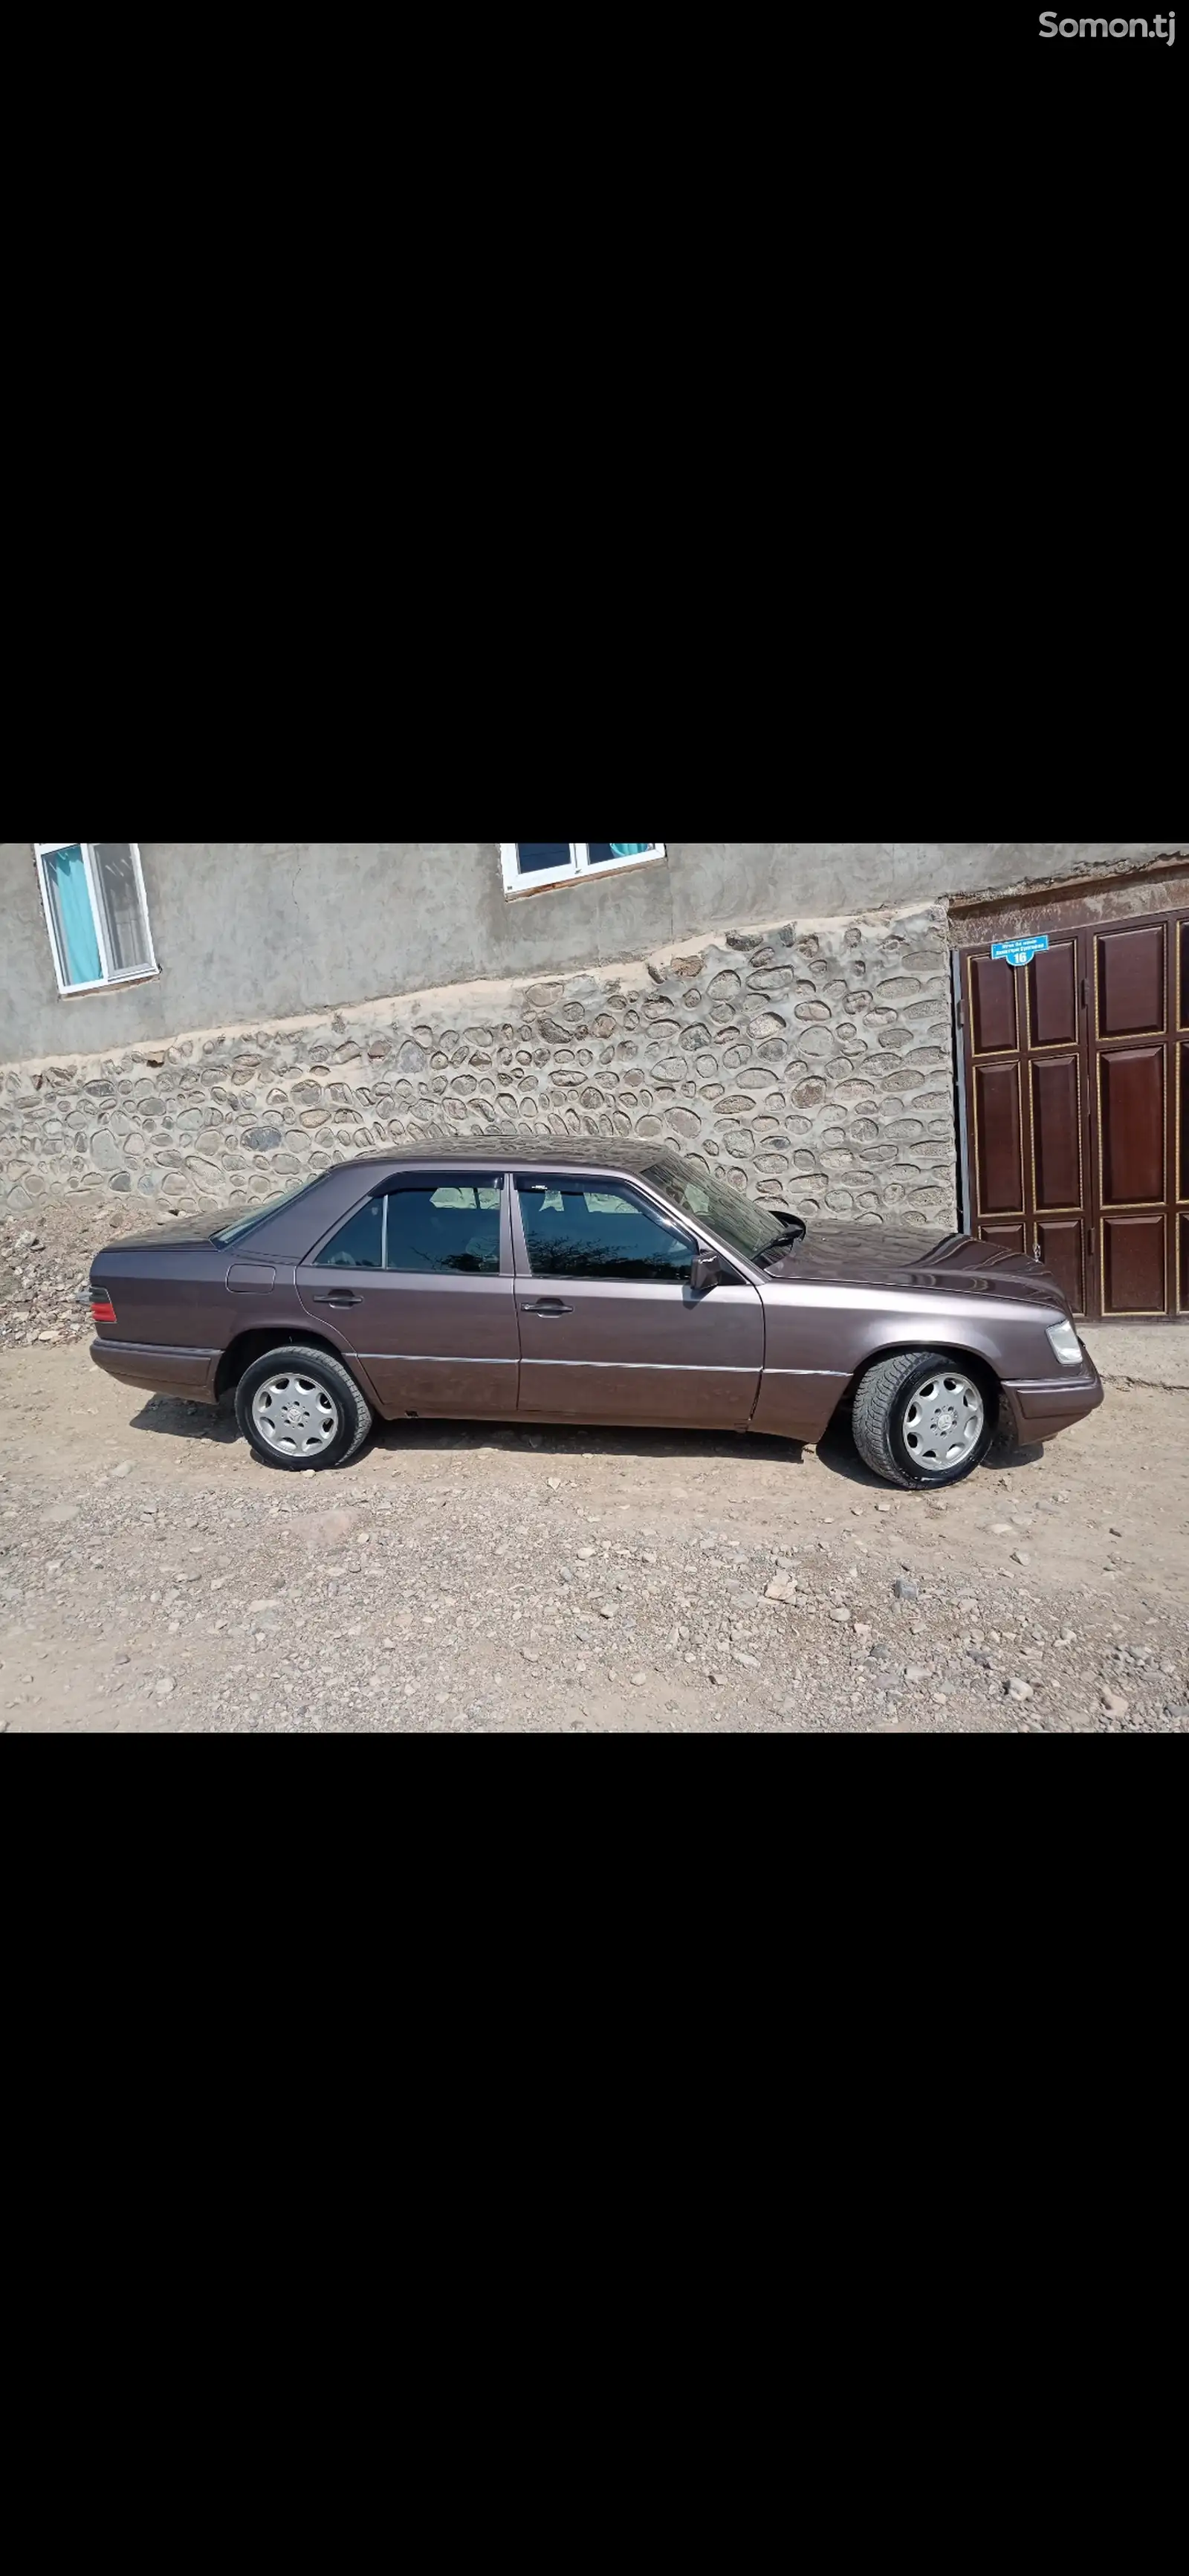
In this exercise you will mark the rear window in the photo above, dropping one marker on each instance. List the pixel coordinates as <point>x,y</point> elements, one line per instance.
<point>454,1226</point>
<point>447,1226</point>
<point>242,1225</point>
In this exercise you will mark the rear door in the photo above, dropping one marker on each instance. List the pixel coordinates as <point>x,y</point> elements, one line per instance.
<point>418,1286</point>
<point>610,1329</point>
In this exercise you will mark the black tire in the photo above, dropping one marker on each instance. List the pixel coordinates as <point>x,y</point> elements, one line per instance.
<point>1004,1445</point>
<point>316,1370</point>
<point>884,1399</point>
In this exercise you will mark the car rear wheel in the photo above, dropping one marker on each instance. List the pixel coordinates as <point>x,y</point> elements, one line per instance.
<point>300,1408</point>
<point>921,1419</point>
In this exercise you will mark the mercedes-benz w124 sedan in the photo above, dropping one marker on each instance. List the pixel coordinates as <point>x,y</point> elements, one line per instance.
<point>586,1282</point>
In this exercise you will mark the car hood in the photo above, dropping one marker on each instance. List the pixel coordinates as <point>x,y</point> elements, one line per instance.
<point>875,1256</point>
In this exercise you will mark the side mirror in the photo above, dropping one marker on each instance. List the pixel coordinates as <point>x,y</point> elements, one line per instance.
<point>705,1271</point>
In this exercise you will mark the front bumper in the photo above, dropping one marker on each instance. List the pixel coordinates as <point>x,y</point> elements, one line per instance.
<point>1042,1407</point>
<point>162,1370</point>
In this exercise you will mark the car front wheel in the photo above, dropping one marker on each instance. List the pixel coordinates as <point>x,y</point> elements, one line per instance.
<point>921,1419</point>
<point>300,1408</point>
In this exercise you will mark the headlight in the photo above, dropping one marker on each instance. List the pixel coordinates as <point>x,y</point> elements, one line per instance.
<point>1065,1345</point>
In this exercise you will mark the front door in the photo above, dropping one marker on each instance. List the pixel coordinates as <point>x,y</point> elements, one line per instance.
<point>1077,1100</point>
<point>610,1329</point>
<point>418,1286</point>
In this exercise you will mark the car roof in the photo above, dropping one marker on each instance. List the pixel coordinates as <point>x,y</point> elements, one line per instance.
<point>606,1153</point>
<point>285,1233</point>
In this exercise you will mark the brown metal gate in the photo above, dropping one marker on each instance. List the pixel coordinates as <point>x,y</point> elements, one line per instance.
<point>1077,1108</point>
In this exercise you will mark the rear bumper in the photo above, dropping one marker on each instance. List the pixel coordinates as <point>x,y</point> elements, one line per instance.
<point>1044,1406</point>
<point>162,1370</point>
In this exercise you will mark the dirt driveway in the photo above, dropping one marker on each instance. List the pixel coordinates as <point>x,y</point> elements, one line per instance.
<point>154,1577</point>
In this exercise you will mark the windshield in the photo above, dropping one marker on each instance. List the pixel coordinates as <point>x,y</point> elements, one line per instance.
<point>256,1216</point>
<point>753,1230</point>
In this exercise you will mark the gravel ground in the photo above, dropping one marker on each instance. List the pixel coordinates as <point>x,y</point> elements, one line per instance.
<point>45,1266</point>
<point>471,1578</point>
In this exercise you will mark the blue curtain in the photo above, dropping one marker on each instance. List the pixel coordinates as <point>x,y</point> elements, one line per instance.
<point>70,902</point>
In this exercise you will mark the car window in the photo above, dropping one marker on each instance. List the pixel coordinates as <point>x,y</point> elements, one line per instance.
<point>237,1226</point>
<point>599,1233</point>
<point>359,1244</point>
<point>750,1228</point>
<point>446,1227</point>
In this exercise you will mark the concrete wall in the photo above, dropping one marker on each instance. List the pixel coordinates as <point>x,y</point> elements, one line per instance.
<point>245,929</point>
<point>810,1064</point>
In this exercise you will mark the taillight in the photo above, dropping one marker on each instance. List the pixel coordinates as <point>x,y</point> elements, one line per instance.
<point>102,1309</point>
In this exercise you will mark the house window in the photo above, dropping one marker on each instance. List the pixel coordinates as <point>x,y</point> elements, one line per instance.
<point>95,911</point>
<point>529,865</point>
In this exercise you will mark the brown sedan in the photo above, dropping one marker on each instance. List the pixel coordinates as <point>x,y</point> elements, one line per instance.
<point>586,1282</point>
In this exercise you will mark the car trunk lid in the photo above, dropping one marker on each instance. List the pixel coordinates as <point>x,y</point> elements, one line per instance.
<point>177,1237</point>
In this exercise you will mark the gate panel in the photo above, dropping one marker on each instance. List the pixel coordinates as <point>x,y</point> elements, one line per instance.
<point>1057,1131</point>
<point>1053,995</point>
<point>1181,1088</point>
<point>993,1011</point>
<point>1131,1126</point>
<point>1130,982</point>
<point>1133,1265</point>
<point>999,1154</point>
<point>1060,1240</point>
<point>1181,1061</point>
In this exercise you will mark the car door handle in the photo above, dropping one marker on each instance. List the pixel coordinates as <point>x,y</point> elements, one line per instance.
<point>336,1297</point>
<point>546,1308</point>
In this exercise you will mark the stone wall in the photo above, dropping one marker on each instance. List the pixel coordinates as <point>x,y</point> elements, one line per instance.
<point>810,1063</point>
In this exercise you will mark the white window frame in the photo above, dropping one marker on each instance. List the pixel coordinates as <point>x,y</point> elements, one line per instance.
<point>44,850</point>
<point>579,864</point>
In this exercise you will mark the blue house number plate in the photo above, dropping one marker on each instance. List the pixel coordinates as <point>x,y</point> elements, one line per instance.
<point>1018,952</point>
